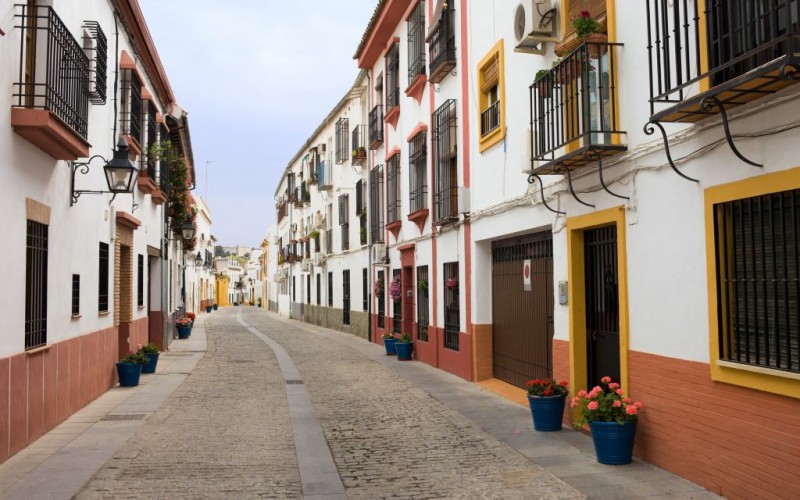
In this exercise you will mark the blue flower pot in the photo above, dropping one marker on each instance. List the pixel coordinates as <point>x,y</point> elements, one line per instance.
<point>208,309</point>
<point>613,443</point>
<point>150,366</point>
<point>547,412</point>
<point>215,307</point>
<point>128,374</point>
<point>184,332</point>
<point>389,345</point>
<point>404,350</point>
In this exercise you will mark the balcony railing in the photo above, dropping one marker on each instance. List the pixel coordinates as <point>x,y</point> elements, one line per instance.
<point>359,152</point>
<point>442,47</point>
<point>393,77</point>
<point>416,43</point>
<point>281,211</point>
<point>376,127</point>
<point>490,118</point>
<point>752,49</point>
<point>54,69</point>
<point>573,110</point>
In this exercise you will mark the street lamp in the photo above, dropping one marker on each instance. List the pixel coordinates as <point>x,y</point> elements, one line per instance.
<point>120,173</point>
<point>187,230</point>
<point>198,260</point>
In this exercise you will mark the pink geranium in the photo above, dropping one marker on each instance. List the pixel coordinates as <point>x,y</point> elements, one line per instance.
<point>605,403</point>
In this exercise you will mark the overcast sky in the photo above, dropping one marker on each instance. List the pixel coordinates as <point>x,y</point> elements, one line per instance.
<point>257,77</point>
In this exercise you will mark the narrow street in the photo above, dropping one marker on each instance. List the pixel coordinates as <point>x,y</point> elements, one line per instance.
<point>280,409</point>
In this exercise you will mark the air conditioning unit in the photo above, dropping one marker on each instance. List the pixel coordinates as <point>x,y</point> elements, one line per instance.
<point>379,253</point>
<point>319,259</point>
<point>306,266</point>
<point>534,24</point>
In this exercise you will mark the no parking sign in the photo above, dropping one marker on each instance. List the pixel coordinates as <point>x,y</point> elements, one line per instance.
<point>526,275</point>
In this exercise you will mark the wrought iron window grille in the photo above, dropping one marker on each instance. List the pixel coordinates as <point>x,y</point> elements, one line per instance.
<point>442,47</point>
<point>418,178</point>
<point>445,162</point>
<point>393,77</point>
<point>342,136</point>
<point>376,127</point>
<point>416,43</point>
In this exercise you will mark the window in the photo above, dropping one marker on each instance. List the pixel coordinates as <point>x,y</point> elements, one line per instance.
<point>445,161</point>
<point>95,45</point>
<point>294,290</point>
<point>393,188</point>
<point>102,286</point>
<point>757,272</point>
<point>376,204</point>
<point>397,306</point>
<point>364,289</point>
<point>319,286</point>
<point>490,99</point>
<point>381,301</point>
<point>452,314</point>
<point>361,212</point>
<point>393,77</point>
<point>346,297</point>
<point>131,102</point>
<point>418,183</point>
<point>422,303</point>
<point>342,141</point>
<point>140,282</point>
<point>376,126</point>
<point>36,285</point>
<point>76,294</point>
<point>416,42</point>
<point>330,289</point>
<point>344,220</point>
<point>148,161</point>
<point>308,289</point>
<point>329,230</point>
<point>442,43</point>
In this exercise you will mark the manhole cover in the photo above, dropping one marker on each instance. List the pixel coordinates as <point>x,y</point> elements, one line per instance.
<point>288,382</point>
<point>129,416</point>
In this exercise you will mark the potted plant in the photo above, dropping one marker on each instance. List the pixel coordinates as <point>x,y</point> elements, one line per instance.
<point>377,289</point>
<point>612,418</point>
<point>215,307</point>
<point>191,316</point>
<point>360,153</point>
<point>396,289</point>
<point>422,284</point>
<point>184,325</point>
<point>404,346</point>
<point>587,30</point>
<point>313,234</point>
<point>151,351</point>
<point>389,343</point>
<point>208,308</point>
<point>546,399</point>
<point>129,368</point>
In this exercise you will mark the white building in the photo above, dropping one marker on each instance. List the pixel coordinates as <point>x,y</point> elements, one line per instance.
<point>200,282</point>
<point>89,274</point>
<point>539,229</point>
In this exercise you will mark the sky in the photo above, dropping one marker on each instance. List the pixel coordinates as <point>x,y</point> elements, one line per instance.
<point>256,77</point>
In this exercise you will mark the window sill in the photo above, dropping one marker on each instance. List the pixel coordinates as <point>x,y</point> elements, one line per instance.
<point>392,116</point>
<point>495,136</point>
<point>757,378</point>
<point>417,87</point>
<point>103,313</point>
<point>38,350</point>
<point>45,130</point>
<point>76,316</point>
<point>419,217</point>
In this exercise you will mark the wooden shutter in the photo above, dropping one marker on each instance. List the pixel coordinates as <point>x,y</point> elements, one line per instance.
<point>569,41</point>
<point>491,75</point>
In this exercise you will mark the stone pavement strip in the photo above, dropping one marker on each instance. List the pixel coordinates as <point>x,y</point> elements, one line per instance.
<point>282,409</point>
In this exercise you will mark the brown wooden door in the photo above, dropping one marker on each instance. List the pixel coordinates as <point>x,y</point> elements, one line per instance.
<point>522,321</point>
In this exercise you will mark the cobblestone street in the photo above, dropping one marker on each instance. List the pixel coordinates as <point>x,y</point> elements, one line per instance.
<point>227,432</point>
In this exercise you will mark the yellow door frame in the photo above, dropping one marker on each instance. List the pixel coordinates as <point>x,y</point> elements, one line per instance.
<point>577,291</point>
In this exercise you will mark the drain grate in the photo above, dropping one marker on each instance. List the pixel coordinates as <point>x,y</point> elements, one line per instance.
<point>297,382</point>
<point>127,416</point>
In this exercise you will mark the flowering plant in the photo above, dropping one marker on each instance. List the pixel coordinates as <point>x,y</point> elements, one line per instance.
<point>606,403</point>
<point>395,289</point>
<point>388,335</point>
<point>585,24</point>
<point>137,357</point>
<point>184,321</point>
<point>148,348</point>
<point>378,288</point>
<point>547,387</point>
<point>451,283</point>
<point>191,316</point>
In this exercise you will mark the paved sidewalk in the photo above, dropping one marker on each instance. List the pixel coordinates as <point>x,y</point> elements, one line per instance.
<point>238,410</point>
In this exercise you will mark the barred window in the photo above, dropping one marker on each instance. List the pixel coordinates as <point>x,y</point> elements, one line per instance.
<point>381,301</point>
<point>416,42</point>
<point>330,289</point>
<point>397,306</point>
<point>140,282</point>
<point>76,294</point>
<point>393,77</point>
<point>393,188</point>
<point>342,141</point>
<point>36,285</point>
<point>376,204</point>
<point>422,303</point>
<point>418,183</point>
<point>102,285</point>
<point>452,312</point>
<point>445,161</point>
<point>364,289</point>
<point>758,280</point>
<point>346,297</point>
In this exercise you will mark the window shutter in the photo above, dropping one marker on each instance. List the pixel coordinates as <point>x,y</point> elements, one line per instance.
<point>491,75</point>
<point>343,213</point>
